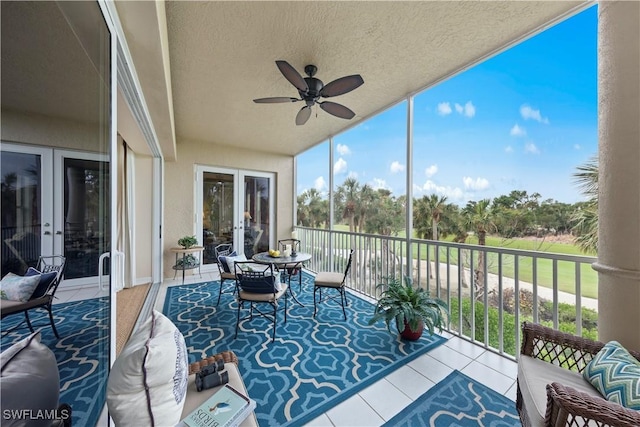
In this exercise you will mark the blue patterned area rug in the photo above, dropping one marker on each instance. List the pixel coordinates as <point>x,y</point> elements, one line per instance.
<point>458,401</point>
<point>82,352</point>
<point>313,365</point>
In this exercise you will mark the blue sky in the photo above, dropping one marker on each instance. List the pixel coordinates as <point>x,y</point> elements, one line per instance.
<point>522,120</point>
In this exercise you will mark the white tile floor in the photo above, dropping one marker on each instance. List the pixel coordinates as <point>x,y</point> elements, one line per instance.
<point>382,400</point>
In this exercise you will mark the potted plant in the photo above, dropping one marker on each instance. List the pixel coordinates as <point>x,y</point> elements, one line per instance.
<point>413,308</point>
<point>188,241</point>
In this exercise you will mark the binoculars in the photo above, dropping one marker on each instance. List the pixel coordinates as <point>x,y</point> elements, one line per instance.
<point>211,376</point>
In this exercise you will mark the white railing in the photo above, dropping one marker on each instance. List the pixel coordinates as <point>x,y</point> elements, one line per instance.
<point>489,290</point>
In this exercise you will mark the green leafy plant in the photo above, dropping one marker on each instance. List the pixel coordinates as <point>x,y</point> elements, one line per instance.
<point>405,303</point>
<point>188,241</point>
<point>188,261</point>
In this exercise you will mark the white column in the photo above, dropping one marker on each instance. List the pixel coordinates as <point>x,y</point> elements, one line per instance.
<point>618,263</point>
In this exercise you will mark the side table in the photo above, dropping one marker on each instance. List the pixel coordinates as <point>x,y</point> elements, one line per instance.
<point>185,252</point>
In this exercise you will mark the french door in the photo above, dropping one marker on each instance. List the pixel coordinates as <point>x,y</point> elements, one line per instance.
<point>54,202</point>
<point>236,207</point>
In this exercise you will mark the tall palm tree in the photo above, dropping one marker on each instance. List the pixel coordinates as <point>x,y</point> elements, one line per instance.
<point>480,219</point>
<point>585,219</point>
<point>347,200</point>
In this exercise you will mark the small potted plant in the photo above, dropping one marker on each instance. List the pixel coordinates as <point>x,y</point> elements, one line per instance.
<point>413,308</point>
<point>187,261</point>
<point>188,241</point>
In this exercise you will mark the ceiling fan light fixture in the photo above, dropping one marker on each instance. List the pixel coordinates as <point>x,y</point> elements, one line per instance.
<point>312,89</point>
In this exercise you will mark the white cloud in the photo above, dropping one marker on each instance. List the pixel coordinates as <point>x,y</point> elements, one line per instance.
<point>343,150</point>
<point>475,184</point>
<point>431,170</point>
<point>508,149</point>
<point>352,174</point>
<point>530,147</point>
<point>396,167</point>
<point>529,113</point>
<point>451,193</point>
<point>444,108</point>
<point>319,183</point>
<point>340,166</point>
<point>577,147</point>
<point>417,188</point>
<point>517,131</point>
<point>467,110</point>
<point>379,183</point>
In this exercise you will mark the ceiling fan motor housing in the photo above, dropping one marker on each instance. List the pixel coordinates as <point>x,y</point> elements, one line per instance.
<point>315,86</point>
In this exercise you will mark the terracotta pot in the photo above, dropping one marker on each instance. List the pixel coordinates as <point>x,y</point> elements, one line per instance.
<point>408,334</point>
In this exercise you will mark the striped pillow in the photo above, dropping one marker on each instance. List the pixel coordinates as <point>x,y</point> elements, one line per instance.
<point>615,373</point>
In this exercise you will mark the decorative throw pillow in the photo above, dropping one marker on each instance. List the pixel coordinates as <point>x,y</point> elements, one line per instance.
<point>615,373</point>
<point>45,281</point>
<point>148,381</point>
<point>29,381</point>
<point>18,288</point>
<point>223,261</point>
<point>231,260</point>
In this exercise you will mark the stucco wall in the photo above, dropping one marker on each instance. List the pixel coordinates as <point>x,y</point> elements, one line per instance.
<point>51,132</point>
<point>179,203</point>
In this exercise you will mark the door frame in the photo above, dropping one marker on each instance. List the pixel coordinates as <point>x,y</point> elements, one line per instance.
<point>238,196</point>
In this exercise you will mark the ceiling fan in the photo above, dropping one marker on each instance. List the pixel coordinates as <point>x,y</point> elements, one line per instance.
<point>312,89</point>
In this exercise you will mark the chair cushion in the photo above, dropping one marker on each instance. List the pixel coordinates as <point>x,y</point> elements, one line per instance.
<point>148,382</point>
<point>262,285</point>
<point>18,288</point>
<point>615,373</point>
<point>45,281</point>
<point>228,276</point>
<point>29,380</point>
<point>263,297</point>
<point>223,261</point>
<point>328,279</point>
<point>533,377</point>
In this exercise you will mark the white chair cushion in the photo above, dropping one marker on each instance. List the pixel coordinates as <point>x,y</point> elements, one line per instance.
<point>328,279</point>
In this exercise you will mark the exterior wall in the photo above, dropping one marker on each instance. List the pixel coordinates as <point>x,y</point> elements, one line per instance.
<point>50,132</point>
<point>144,222</point>
<point>179,191</point>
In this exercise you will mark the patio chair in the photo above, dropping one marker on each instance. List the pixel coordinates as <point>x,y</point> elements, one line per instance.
<point>293,269</point>
<point>43,295</point>
<point>259,284</point>
<point>551,390</point>
<point>224,250</point>
<point>332,280</point>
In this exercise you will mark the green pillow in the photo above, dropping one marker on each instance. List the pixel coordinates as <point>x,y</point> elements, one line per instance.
<point>615,373</point>
<point>18,288</point>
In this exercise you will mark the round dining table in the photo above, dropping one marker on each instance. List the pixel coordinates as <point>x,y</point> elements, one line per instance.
<point>288,262</point>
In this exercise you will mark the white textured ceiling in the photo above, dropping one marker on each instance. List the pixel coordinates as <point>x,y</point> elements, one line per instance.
<point>202,63</point>
<point>222,57</point>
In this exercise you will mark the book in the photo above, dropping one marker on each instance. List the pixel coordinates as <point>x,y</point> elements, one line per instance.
<point>226,408</point>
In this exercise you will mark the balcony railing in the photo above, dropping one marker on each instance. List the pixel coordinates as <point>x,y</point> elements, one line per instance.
<point>489,290</point>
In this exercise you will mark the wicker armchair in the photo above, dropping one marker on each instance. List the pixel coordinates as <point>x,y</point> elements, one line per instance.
<point>576,405</point>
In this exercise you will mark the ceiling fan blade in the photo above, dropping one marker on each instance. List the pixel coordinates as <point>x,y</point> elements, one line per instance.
<point>337,110</point>
<point>303,115</point>
<point>341,85</point>
<point>293,76</point>
<point>275,100</point>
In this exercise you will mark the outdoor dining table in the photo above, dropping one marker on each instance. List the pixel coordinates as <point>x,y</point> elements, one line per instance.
<point>290,262</point>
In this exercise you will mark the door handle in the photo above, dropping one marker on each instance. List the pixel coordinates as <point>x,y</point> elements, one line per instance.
<point>58,232</point>
<point>47,233</point>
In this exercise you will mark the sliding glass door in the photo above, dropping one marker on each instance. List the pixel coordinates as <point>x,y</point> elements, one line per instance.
<point>235,207</point>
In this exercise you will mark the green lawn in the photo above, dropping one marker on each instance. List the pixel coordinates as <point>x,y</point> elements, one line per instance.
<point>565,270</point>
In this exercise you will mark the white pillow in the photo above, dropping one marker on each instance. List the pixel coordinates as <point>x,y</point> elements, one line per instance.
<point>231,260</point>
<point>148,382</point>
<point>18,288</point>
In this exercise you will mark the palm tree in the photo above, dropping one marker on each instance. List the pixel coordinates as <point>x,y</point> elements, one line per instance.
<point>585,219</point>
<point>347,201</point>
<point>427,215</point>
<point>480,219</point>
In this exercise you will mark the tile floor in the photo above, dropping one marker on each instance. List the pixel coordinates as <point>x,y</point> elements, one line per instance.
<point>382,400</point>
